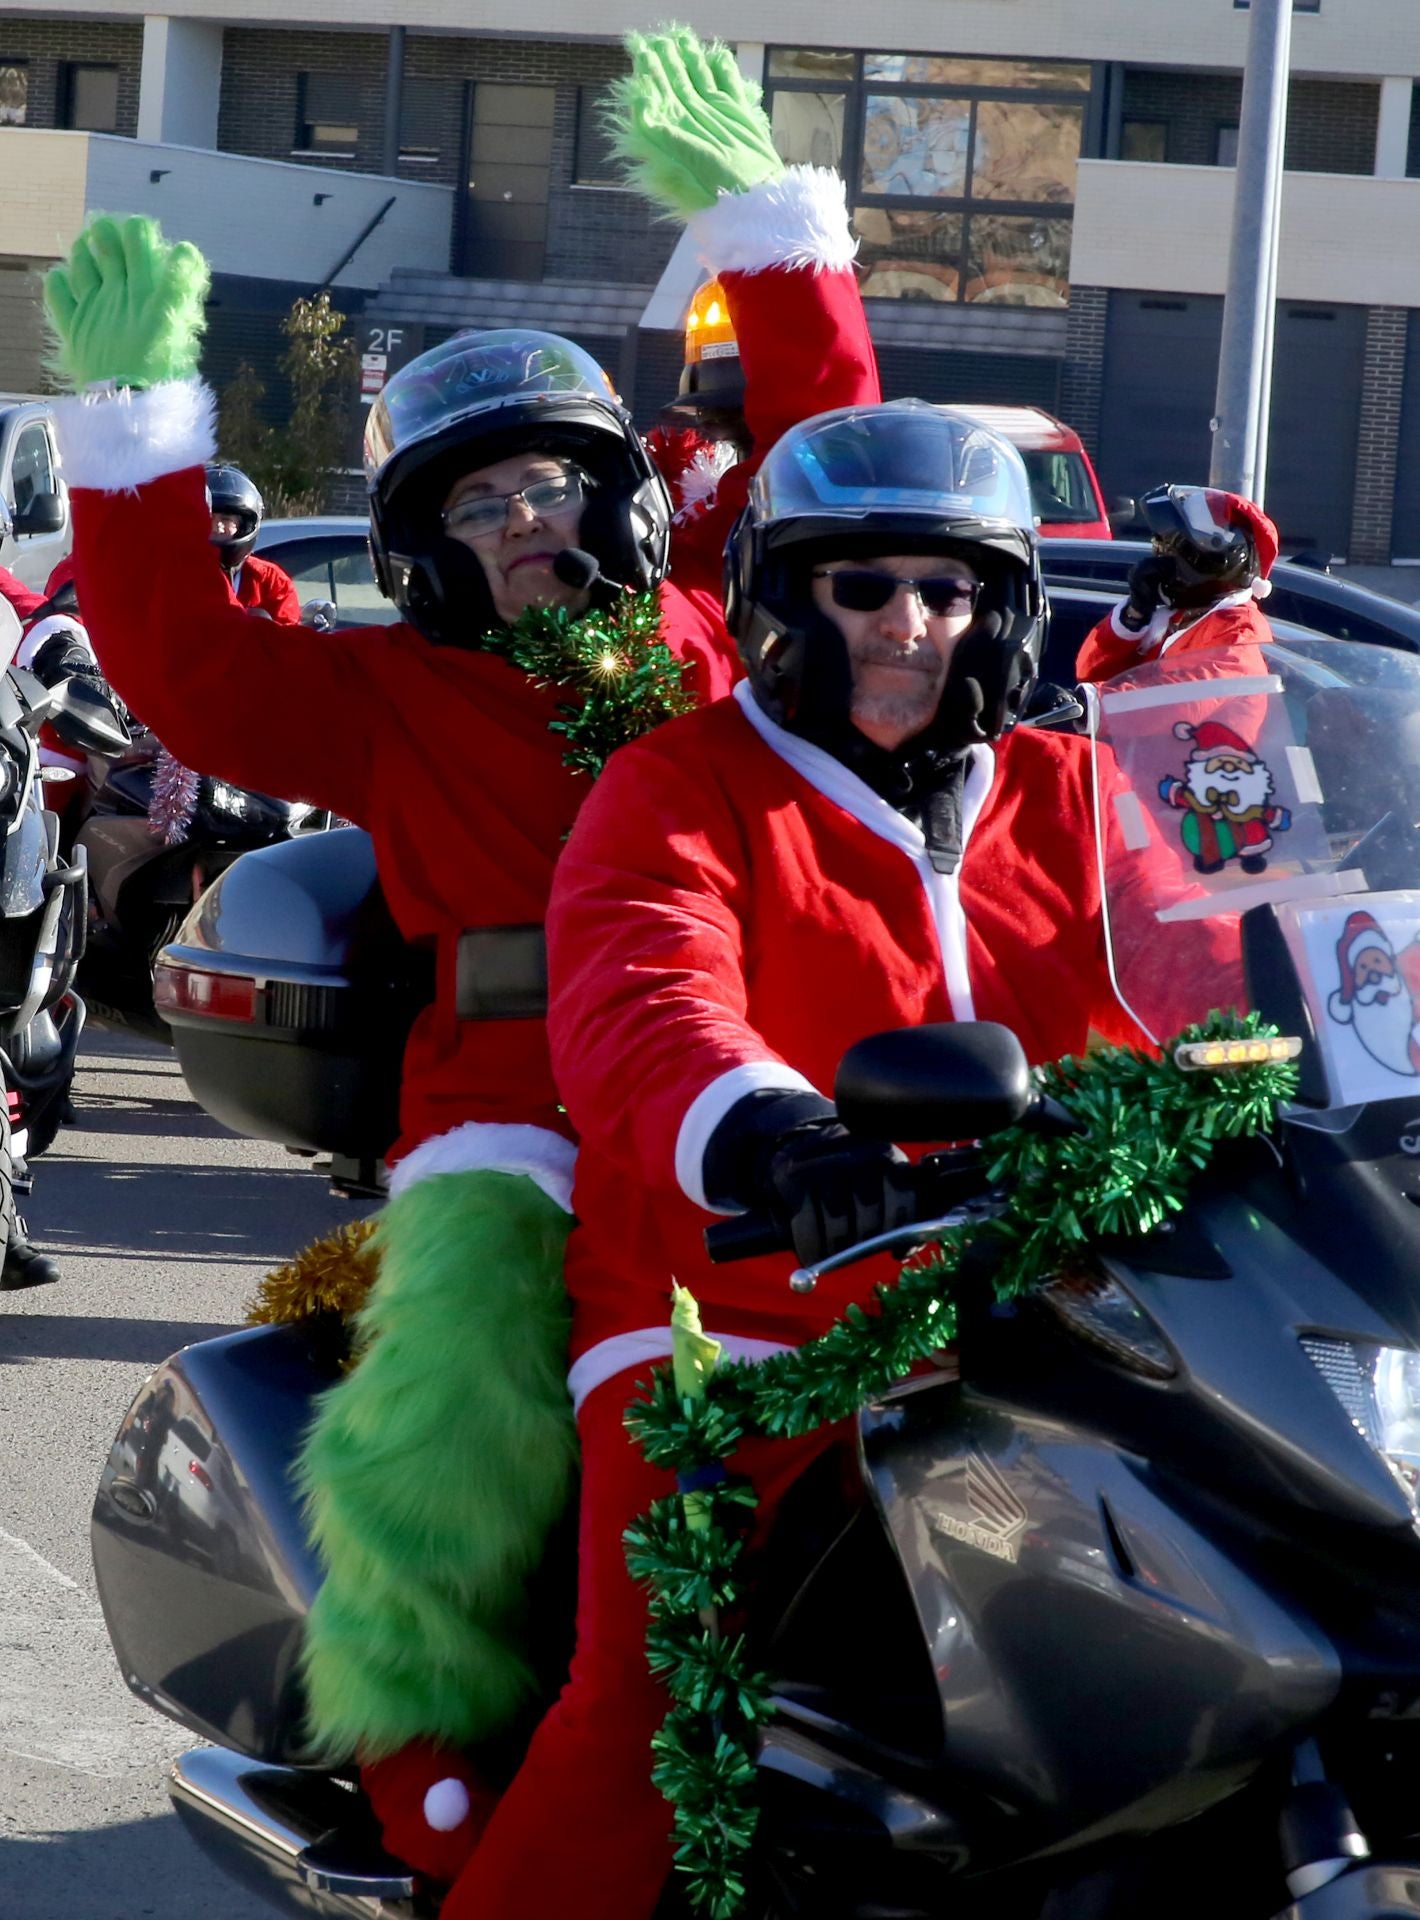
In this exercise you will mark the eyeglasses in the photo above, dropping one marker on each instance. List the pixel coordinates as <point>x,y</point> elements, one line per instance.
<point>488,512</point>
<point>866,590</point>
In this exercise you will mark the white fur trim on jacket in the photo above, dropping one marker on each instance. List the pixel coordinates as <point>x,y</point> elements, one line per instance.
<point>631,1352</point>
<point>493,1146</point>
<point>798,220</point>
<point>117,442</point>
<point>709,1108</point>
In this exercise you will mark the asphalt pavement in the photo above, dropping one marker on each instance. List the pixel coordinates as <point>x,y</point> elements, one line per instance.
<point>163,1222</point>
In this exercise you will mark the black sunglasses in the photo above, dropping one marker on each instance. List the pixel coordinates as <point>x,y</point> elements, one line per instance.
<point>865,590</point>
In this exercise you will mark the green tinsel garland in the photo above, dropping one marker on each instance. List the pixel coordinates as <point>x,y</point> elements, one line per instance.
<point>625,677</point>
<point>1147,1129</point>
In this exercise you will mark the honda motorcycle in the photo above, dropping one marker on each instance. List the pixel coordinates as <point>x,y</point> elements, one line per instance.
<point>1119,1613</point>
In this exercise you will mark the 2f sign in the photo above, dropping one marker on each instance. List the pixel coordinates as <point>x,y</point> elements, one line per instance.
<point>385,340</point>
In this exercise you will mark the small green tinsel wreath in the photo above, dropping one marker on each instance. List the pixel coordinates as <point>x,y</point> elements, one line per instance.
<point>1148,1128</point>
<point>625,678</point>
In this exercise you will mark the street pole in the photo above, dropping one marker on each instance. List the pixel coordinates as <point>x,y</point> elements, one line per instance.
<point>1245,360</point>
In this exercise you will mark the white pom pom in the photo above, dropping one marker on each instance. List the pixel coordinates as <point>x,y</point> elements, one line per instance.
<point>446,1805</point>
<point>1261,588</point>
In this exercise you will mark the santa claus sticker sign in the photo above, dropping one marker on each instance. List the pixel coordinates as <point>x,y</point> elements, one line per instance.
<point>1359,964</point>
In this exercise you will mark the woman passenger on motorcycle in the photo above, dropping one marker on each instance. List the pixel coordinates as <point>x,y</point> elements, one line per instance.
<point>438,1465</point>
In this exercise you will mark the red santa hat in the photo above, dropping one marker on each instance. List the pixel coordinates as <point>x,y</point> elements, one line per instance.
<point>1234,510</point>
<point>1213,737</point>
<point>1362,933</point>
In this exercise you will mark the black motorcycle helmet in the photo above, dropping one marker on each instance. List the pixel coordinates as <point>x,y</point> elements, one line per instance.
<point>902,478</point>
<point>479,398</point>
<point>1218,542</point>
<point>230,491</point>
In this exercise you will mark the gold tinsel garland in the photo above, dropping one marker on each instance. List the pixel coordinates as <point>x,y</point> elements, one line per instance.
<point>332,1275</point>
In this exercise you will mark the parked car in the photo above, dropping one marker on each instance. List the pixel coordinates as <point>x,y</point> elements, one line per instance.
<point>1063,484</point>
<point>328,557</point>
<point>35,531</point>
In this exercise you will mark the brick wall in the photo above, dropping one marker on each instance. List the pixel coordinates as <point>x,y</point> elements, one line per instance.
<point>593,233</point>
<point>1082,375</point>
<point>1378,436</point>
<point>1331,124</point>
<point>44,45</point>
<point>23,341</point>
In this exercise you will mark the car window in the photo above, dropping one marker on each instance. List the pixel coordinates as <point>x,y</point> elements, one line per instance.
<point>335,566</point>
<point>1336,622</point>
<point>31,470</point>
<point>1060,487</point>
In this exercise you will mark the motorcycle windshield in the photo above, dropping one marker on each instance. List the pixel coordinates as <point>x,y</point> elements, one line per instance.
<point>1276,776</point>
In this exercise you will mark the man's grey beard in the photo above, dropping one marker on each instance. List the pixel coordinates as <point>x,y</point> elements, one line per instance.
<point>908,706</point>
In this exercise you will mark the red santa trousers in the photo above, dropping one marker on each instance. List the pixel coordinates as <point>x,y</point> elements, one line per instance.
<point>581,1830</point>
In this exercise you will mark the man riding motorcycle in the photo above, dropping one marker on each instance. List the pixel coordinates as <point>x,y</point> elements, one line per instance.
<point>237,509</point>
<point>492,460</point>
<point>1197,591</point>
<point>861,838</point>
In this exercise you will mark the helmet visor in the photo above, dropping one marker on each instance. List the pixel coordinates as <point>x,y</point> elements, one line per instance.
<point>907,458</point>
<point>471,375</point>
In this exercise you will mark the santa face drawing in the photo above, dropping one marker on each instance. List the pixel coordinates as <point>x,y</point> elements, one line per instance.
<point>1374,997</point>
<point>1229,785</point>
<point>1225,797</point>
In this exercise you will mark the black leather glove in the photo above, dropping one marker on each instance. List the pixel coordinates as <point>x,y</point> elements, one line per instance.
<point>1149,581</point>
<point>789,1155</point>
<point>833,1189</point>
<point>62,656</point>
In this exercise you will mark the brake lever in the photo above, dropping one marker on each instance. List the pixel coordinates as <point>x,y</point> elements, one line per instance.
<point>904,1239</point>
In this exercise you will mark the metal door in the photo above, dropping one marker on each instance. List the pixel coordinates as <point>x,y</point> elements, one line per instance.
<point>1316,414</point>
<point>1405,530</point>
<point>1160,377</point>
<point>509,172</point>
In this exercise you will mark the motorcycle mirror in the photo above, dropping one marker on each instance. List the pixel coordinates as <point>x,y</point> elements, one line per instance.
<point>83,717</point>
<point>961,1081</point>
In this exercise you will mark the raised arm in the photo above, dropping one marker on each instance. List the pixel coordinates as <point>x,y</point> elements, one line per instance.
<point>226,691</point>
<point>696,140</point>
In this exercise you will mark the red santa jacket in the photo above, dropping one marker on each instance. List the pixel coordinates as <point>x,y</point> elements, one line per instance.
<point>263,587</point>
<point>1111,648</point>
<point>734,910</point>
<point>23,599</point>
<point>445,756</point>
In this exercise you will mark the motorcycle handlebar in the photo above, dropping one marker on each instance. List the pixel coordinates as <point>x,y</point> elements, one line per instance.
<point>940,1182</point>
<point>745,1236</point>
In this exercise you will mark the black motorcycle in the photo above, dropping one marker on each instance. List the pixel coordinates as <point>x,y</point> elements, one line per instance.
<point>1120,1614</point>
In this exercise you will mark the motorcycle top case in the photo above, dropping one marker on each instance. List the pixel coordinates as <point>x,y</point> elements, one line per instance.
<point>290,995</point>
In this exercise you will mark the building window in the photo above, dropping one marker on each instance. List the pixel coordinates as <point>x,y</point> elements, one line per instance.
<point>14,92</point>
<point>593,162</point>
<point>961,168</point>
<point>88,98</point>
<point>422,121</point>
<point>1144,140</point>
<point>324,123</point>
<point>1225,146</point>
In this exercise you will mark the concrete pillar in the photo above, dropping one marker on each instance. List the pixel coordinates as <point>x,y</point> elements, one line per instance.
<point>750,55</point>
<point>181,80</point>
<point>1393,127</point>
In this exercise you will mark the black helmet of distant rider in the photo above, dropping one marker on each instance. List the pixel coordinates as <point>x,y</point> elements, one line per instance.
<point>232,496</point>
<point>478,399</point>
<point>902,478</point>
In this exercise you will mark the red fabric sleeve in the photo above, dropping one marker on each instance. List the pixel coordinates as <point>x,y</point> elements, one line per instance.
<point>805,349</point>
<point>225,691</point>
<point>22,598</point>
<point>646,958</point>
<point>1105,654</point>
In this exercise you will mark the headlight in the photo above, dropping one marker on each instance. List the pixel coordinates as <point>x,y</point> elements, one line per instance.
<point>1379,1388</point>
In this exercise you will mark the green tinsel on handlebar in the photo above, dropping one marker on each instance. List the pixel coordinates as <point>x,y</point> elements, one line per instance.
<point>1148,1129</point>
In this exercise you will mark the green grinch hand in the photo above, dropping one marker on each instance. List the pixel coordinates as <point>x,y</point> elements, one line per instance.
<point>687,123</point>
<point>127,307</point>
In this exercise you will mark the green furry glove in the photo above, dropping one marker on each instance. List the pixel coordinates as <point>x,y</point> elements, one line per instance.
<point>128,307</point>
<point>688,124</point>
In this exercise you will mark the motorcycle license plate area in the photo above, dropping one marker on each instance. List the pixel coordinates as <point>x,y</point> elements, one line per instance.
<point>1286,777</point>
